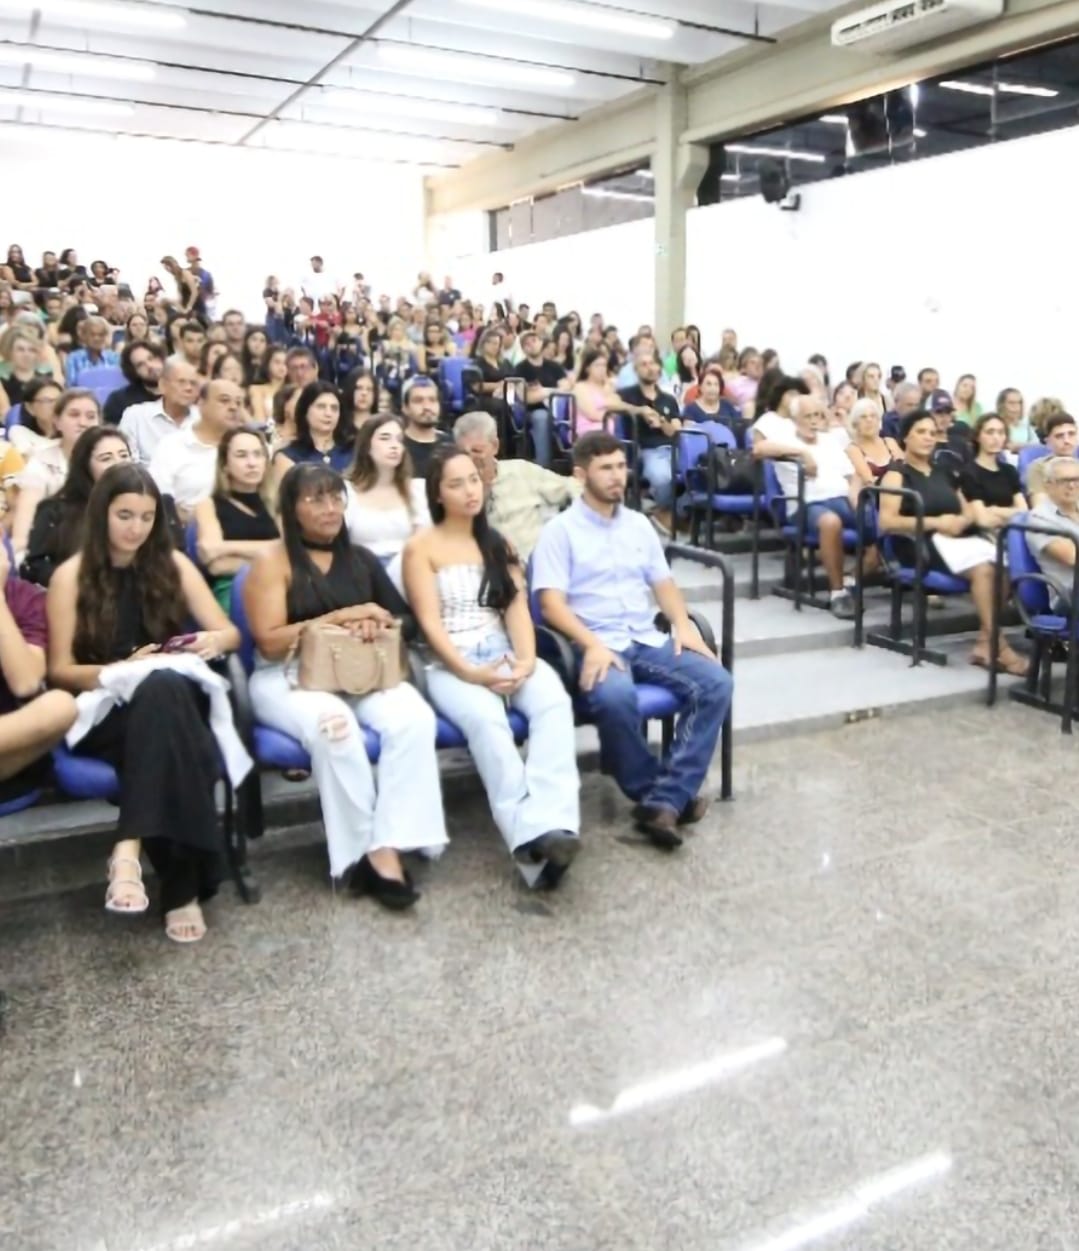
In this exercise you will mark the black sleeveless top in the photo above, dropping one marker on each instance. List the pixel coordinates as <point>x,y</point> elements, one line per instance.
<point>131,632</point>
<point>356,576</point>
<point>238,526</point>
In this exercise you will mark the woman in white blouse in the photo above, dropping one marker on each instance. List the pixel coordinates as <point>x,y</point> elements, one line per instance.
<point>46,467</point>
<point>386,505</point>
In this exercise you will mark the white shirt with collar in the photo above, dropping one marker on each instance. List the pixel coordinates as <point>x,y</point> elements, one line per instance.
<point>184,467</point>
<point>146,425</point>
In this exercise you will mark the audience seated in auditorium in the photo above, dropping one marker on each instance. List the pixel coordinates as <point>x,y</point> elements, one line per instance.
<point>46,465</point>
<point>57,529</point>
<point>953,448</point>
<point>32,721</point>
<point>322,435</point>
<point>967,408</point>
<point>1062,439</point>
<point>870,451</point>
<point>988,483</point>
<point>36,425</point>
<point>659,421</point>
<point>142,364</point>
<point>386,504</point>
<point>314,574</point>
<point>283,425</point>
<point>192,343</point>
<point>708,402</point>
<point>594,391</point>
<point>129,597</point>
<point>543,378</point>
<point>906,398</point>
<point>466,586</point>
<point>235,524</point>
<point>742,388</point>
<point>600,571</point>
<point>421,412</point>
<point>1059,510</point>
<point>1011,408</point>
<point>952,544</point>
<point>520,496</point>
<point>23,357</point>
<point>145,425</point>
<point>928,382</point>
<point>359,396</point>
<point>184,464</point>
<point>267,379</point>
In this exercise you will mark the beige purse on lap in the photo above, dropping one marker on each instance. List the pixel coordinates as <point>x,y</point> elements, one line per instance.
<point>332,659</point>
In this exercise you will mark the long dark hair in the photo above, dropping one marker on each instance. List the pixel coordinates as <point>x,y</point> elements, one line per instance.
<point>343,434</point>
<point>498,588</point>
<point>251,364</point>
<point>74,496</point>
<point>315,479</point>
<point>348,394</point>
<point>163,607</point>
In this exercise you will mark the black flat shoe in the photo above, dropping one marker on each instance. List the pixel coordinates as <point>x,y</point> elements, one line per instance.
<point>558,847</point>
<point>388,891</point>
<point>659,825</point>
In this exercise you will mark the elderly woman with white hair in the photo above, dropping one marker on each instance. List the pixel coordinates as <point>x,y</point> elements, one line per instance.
<point>870,452</point>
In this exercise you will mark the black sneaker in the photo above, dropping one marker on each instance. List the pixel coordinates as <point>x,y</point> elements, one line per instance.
<point>842,606</point>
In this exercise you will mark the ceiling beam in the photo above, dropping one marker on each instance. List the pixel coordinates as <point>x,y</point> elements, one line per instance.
<point>748,90</point>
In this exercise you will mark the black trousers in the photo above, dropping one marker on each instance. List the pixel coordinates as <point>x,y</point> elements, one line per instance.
<point>161,746</point>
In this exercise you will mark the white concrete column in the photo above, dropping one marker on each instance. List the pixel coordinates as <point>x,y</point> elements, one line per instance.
<point>677,169</point>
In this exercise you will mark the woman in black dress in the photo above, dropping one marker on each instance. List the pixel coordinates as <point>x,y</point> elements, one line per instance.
<point>236,523</point>
<point>953,545</point>
<point>122,598</point>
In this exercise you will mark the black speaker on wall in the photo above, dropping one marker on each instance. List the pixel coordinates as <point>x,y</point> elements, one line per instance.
<point>775,184</point>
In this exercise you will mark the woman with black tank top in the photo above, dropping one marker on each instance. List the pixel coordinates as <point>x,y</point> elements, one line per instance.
<point>953,545</point>
<point>124,596</point>
<point>236,523</point>
<point>314,574</point>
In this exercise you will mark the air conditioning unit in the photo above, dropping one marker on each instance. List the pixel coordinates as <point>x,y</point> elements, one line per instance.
<point>888,27</point>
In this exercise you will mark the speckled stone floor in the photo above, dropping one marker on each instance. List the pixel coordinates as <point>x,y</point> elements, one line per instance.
<point>844,1015</point>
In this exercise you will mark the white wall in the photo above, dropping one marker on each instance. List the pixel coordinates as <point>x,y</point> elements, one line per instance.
<point>608,271</point>
<point>130,201</point>
<point>965,262</point>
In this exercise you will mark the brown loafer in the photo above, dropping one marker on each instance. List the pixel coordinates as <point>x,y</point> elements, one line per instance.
<point>694,811</point>
<point>659,824</point>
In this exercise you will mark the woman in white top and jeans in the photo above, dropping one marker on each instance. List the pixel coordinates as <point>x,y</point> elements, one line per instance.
<point>467,591</point>
<point>386,505</point>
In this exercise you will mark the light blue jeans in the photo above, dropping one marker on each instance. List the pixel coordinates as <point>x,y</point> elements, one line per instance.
<point>656,467</point>
<point>528,797</point>
<point>539,422</point>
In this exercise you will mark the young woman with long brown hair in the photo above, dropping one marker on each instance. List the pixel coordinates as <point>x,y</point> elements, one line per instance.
<point>386,504</point>
<point>125,597</point>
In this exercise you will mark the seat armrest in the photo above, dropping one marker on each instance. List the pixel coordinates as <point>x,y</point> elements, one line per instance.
<point>557,651</point>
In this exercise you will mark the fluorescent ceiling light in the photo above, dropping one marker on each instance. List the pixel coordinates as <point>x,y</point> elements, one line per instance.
<point>971,89</point>
<point>645,173</point>
<point>919,133</point>
<point>136,16</point>
<point>606,19</point>
<point>835,119</point>
<point>78,64</point>
<point>783,154</point>
<point>730,178</point>
<point>1020,89</point>
<point>389,105</point>
<point>46,102</point>
<point>461,67</point>
<point>602,192</point>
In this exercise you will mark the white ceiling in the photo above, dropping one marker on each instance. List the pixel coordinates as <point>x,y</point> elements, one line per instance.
<point>325,76</point>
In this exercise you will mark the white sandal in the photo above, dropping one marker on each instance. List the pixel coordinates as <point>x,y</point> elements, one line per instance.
<point>140,904</point>
<point>189,917</point>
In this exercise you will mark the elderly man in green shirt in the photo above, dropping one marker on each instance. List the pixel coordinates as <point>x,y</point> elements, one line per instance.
<point>521,496</point>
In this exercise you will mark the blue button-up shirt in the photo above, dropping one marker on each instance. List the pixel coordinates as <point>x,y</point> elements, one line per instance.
<point>606,568</point>
<point>80,361</point>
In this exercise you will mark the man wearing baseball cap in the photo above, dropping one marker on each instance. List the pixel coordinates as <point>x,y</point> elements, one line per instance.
<point>954,448</point>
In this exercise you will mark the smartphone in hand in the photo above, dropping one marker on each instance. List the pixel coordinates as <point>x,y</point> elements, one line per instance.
<point>179,642</point>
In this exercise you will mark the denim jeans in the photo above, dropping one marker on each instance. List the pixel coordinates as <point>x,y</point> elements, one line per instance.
<point>704,688</point>
<point>656,467</point>
<point>539,422</point>
<point>528,797</point>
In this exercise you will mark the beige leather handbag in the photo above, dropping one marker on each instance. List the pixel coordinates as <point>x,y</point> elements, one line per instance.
<point>332,659</point>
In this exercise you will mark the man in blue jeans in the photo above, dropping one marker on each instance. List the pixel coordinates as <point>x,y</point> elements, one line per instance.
<point>600,573</point>
<point>655,431</point>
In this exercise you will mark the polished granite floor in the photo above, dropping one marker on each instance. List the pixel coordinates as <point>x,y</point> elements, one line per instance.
<point>845,1016</point>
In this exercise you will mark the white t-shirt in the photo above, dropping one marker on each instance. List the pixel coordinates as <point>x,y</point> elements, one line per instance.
<point>45,469</point>
<point>385,531</point>
<point>315,286</point>
<point>834,468</point>
<point>184,467</point>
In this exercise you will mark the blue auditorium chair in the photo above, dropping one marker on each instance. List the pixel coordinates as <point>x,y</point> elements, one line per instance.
<point>456,376</point>
<point>1027,457</point>
<point>13,417</point>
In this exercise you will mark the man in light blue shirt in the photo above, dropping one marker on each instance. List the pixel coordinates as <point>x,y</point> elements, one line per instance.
<point>600,572</point>
<point>93,354</point>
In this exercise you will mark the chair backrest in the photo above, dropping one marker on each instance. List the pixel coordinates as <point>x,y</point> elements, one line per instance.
<point>238,615</point>
<point>1027,457</point>
<point>13,418</point>
<point>1034,596</point>
<point>563,407</point>
<point>107,378</point>
<point>694,443</point>
<point>451,381</point>
<point>533,596</point>
<point>191,543</point>
<point>773,493</point>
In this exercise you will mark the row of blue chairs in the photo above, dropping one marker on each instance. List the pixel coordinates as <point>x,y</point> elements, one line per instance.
<point>82,777</point>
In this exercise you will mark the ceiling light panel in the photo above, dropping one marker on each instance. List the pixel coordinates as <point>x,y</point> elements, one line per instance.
<point>783,154</point>
<point>585,16</point>
<point>78,106</point>
<point>460,67</point>
<point>386,106</point>
<point>95,13</point>
<point>76,64</point>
